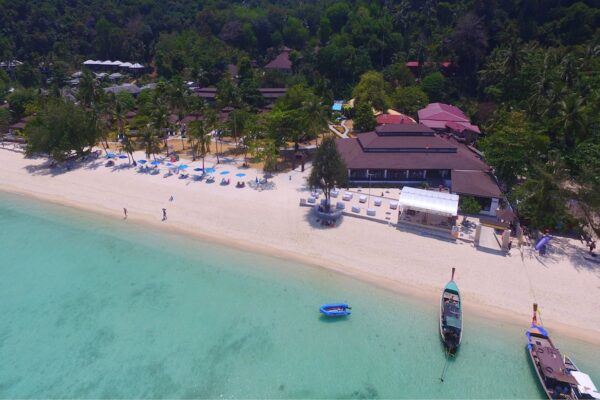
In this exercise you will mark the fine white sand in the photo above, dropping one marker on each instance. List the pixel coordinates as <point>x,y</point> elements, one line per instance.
<point>565,285</point>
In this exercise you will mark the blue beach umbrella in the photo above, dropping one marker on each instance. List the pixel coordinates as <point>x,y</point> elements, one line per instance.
<point>110,155</point>
<point>210,170</point>
<point>197,169</point>
<point>183,166</point>
<point>122,156</point>
<point>155,162</point>
<point>240,174</point>
<point>141,161</point>
<point>224,172</point>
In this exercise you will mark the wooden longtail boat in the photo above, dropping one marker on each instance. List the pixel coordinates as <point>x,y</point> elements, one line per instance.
<point>451,322</point>
<point>548,363</point>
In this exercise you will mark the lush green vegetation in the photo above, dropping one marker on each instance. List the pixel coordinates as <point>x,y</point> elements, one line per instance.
<point>527,71</point>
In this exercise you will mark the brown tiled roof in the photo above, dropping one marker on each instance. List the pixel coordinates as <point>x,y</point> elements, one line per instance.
<point>282,61</point>
<point>371,141</point>
<point>18,125</point>
<point>272,93</point>
<point>474,183</point>
<point>403,130</point>
<point>355,158</point>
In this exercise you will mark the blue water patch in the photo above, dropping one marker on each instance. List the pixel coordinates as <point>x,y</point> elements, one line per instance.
<point>94,308</point>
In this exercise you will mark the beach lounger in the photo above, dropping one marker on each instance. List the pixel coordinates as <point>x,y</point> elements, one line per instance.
<point>393,204</point>
<point>362,198</point>
<point>371,212</point>
<point>311,200</point>
<point>377,201</point>
<point>356,209</point>
<point>335,193</point>
<point>340,205</point>
<point>347,196</point>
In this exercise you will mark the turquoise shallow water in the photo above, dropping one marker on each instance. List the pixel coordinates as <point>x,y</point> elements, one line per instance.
<point>93,308</point>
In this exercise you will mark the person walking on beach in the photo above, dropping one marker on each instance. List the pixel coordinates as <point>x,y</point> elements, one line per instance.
<point>592,247</point>
<point>164,210</point>
<point>124,213</point>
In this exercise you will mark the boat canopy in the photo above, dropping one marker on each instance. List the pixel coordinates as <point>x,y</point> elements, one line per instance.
<point>429,201</point>
<point>453,322</point>
<point>585,384</point>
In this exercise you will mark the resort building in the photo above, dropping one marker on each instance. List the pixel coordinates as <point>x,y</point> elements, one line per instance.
<point>444,118</point>
<point>414,155</point>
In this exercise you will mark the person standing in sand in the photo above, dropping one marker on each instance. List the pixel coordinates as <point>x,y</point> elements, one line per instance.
<point>124,213</point>
<point>164,210</point>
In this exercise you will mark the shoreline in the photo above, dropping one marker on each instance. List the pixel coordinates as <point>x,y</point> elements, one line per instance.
<point>391,286</point>
<point>271,223</point>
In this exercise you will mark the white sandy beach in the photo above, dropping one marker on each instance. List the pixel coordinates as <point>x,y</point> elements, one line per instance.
<point>566,285</point>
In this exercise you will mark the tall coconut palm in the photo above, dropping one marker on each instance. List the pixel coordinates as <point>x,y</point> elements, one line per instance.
<point>317,116</point>
<point>150,141</point>
<point>571,111</point>
<point>200,135</point>
<point>127,147</point>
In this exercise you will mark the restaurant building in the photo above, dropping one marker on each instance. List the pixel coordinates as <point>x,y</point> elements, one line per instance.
<point>414,155</point>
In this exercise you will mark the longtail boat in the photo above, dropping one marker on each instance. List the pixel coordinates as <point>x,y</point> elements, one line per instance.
<point>451,322</point>
<point>553,374</point>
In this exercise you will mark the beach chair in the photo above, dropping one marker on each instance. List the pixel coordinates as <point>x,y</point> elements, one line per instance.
<point>335,193</point>
<point>340,205</point>
<point>347,196</point>
<point>393,204</point>
<point>377,201</point>
<point>311,200</point>
<point>362,198</point>
<point>371,212</point>
<point>356,209</point>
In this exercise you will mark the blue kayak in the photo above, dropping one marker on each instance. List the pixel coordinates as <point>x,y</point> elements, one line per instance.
<point>335,309</point>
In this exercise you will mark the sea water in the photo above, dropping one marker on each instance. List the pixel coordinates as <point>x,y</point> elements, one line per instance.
<point>98,308</point>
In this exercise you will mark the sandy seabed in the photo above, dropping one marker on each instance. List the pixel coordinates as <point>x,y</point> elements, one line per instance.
<point>564,283</point>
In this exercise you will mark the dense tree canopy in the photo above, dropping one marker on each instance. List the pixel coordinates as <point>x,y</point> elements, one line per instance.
<point>525,71</point>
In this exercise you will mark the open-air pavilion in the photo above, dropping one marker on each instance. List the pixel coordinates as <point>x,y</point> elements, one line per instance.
<point>428,208</point>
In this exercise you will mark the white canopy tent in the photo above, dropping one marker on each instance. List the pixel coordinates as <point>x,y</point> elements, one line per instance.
<point>585,384</point>
<point>428,201</point>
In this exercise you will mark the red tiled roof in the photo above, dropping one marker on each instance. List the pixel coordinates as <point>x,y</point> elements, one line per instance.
<point>441,111</point>
<point>394,119</point>
<point>474,183</point>
<point>442,116</point>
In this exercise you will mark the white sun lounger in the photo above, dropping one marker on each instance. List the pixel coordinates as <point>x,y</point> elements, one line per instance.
<point>311,200</point>
<point>347,196</point>
<point>335,193</point>
<point>377,201</point>
<point>356,209</point>
<point>362,198</point>
<point>340,205</point>
<point>393,204</point>
<point>371,212</point>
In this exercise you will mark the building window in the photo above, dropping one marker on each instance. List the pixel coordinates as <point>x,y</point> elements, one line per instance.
<point>396,174</point>
<point>358,174</point>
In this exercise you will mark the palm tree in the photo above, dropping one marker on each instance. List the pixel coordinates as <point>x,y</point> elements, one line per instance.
<point>160,121</point>
<point>571,112</point>
<point>150,142</point>
<point>127,146</point>
<point>200,135</point>
<point>316,116</point>
<point>179,99</point>
<point>88,89</point>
